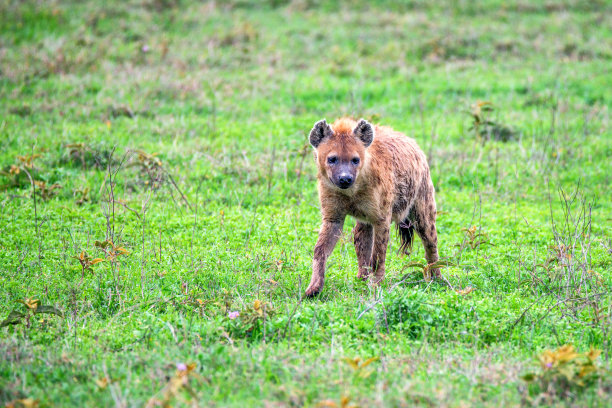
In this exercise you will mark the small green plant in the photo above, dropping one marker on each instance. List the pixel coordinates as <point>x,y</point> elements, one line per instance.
<point>154,173</point>
<point>249,321</point>
<point>360,367</point>
<point>88,156</point>
<point>410,312</point>
<point>345,402</point>
<point>427,269</point>
<point>87,263</point>
<point>465,291</point>
<point>484,128</point>
<point>30,308</point>
<point>559,257</point>
<point>14,176</point>
<point>23,403</point>
<point>46,191</point>
<point>564,371</point>
<point>192,300</point>
<point>81,195</point>
<point>150,166</point>
<point>253,314</point>
<point>77,151</point>
<point>111,250</point>
<point>473,238</point>
<point>225,303</point>
<point>241,34</point>
<point>22,110</point>
<point>176,386</point>
<point>22,173</point>
<point>14,169</point>
<point>27,160</point>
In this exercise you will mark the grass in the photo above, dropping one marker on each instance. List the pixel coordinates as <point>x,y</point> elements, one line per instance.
<point>178,130</point>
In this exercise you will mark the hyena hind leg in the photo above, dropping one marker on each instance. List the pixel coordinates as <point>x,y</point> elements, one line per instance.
<point>425,226</point>
<point>364,240</point>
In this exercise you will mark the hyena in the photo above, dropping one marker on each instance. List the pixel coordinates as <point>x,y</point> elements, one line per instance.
<point>376,175</point>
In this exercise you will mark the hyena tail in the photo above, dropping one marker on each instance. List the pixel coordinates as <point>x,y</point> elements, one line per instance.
<point>405,230</point>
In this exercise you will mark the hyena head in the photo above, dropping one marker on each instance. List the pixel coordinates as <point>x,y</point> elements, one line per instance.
<point>340,150</point>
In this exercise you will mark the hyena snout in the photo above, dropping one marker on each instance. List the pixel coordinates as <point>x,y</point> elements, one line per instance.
<point>345,180</point>
<point>343,175</point>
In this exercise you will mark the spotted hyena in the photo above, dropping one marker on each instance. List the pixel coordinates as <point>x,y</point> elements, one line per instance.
<point>376,175</point>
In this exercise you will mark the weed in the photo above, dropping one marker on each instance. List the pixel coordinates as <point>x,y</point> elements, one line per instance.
<point>427,269</point>
<point>23,110</point>
<point>23,403</point>
<point>345,402</point>
<point>360,367</point>
<point>111,251</point>
<point>81,196</point>
<point>46,191</point>
<point>474,238</point>
<point>563,372</point>
<point>484,128</point>
<point>87,263</point>
<point>87,155</point>
<point>410,313</point>
<point>250,321</point>
<point>176,386</point>
<point>29,309</point>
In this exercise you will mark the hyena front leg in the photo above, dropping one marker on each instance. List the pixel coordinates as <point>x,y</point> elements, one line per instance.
<point>379,253</point>
<point>328,236</point>
<point>364,239</point>
<point>425,226</point>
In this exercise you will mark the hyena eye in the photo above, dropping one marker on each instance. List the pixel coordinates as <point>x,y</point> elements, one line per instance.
<point>332,159</point>
<point>355,160</point>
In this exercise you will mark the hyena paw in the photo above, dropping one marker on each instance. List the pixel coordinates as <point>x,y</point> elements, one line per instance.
<point>314,289</point>
<point>363,273</point>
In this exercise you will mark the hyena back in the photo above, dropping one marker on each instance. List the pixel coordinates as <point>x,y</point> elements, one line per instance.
<point>378,176</point>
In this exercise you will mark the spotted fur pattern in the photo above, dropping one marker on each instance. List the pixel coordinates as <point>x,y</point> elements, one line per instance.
<point>392,184</point>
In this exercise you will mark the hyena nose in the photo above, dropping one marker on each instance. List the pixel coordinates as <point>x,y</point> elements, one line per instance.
<point>345,181</point>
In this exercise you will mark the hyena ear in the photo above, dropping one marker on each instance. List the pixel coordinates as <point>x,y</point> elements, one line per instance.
<point>365,132</point>
<point>320,131</point>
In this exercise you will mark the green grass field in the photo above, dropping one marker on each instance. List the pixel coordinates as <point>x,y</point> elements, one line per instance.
<point>178,131</point>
